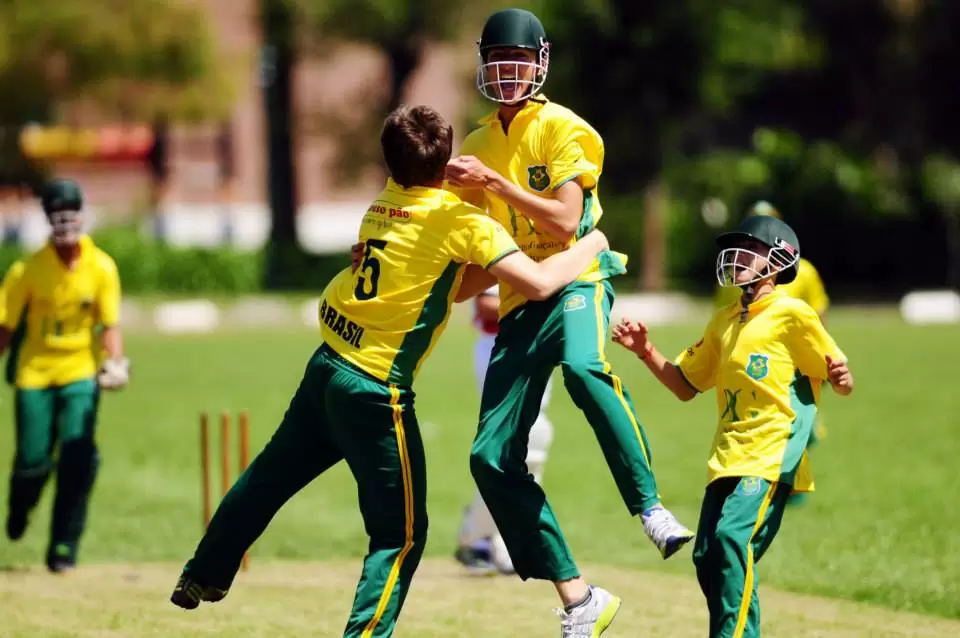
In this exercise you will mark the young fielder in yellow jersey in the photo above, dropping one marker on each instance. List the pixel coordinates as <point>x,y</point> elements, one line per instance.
<point>535,167</point>
<point>63,293</point>
<point>767,357</point>
<point>379,322</point>
<point>808,287</point>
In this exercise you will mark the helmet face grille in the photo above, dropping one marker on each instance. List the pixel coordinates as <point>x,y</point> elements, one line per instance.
<point>737,267</point>
<point>66,227</point>
<point>510,82</point>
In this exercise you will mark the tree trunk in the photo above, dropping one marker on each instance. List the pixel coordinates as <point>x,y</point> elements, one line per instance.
<point>653,273</point>
<point>953,249</point>
<point>278,61</point>
<point>404,55</point>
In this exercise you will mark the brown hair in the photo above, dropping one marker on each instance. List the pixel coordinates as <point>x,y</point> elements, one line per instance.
<point>416,142</point>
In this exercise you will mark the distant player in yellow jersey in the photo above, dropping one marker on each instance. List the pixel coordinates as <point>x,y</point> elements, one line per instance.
<point>61,295</point>
<point>767,357</point>
<point>535,167</point>
<point>379,323</point>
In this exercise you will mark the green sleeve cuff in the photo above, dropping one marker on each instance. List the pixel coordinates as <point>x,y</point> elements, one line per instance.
<point>687,381</point>
<point>496,259</point>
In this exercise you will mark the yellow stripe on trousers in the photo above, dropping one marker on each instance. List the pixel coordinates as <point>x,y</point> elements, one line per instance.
<point>407,513</point>
<point>617,383</point>
<point>748,579</point>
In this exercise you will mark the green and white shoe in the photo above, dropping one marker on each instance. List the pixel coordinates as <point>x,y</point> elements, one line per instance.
<point>591,618</point>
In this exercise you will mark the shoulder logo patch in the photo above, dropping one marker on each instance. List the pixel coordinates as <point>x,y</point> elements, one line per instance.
<point>538,178</point>
<point>576,302</point>
<point>757,367</point>
<point>748,486</point>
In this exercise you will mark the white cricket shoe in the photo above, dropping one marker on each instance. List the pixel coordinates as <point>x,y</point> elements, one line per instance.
<point>592,618</point>
<point>665,530</point>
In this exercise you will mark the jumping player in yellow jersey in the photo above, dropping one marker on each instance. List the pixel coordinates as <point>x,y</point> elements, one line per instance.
<point>379,323</point>
<point>767,356</point>
<point>61,295</point>
<point>535,166</point>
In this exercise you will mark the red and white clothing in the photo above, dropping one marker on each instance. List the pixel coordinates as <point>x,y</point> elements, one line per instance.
<point>477,522</point>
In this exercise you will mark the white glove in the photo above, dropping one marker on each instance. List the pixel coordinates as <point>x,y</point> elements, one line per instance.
<point>114,373</point>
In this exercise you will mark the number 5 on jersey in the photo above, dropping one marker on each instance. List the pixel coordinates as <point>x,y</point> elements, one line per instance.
<point>369,271</point>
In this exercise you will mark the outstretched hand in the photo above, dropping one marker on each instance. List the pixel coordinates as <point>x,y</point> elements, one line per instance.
<point>632,335</point>
<point>839,376</point>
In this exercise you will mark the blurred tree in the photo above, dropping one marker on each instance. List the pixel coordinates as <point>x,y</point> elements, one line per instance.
<point>143,59</point>
<point>400,29</point>
<point>654,77</point>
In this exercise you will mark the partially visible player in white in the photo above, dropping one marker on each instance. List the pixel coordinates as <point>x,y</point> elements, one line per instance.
<point>480,547</point>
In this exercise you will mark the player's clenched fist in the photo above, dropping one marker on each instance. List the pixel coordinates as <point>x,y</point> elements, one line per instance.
<point>467,171</point>
<point>632,335</point>
<point>839,376</point>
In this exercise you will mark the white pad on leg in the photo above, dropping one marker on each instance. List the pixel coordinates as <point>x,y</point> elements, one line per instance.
<point>477,523</point>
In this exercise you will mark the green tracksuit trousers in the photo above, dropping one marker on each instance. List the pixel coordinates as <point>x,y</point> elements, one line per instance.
<point>339,413</point>
<point>569,330</point>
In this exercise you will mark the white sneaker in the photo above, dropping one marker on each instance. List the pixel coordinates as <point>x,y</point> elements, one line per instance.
<point>592,618</point>
<point>665,530</point>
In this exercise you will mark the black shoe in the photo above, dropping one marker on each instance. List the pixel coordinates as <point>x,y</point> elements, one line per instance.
<point>188,594</point>
<point>16,524</point>
<point>62,559</point>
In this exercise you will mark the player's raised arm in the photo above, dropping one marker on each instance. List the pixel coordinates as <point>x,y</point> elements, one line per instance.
<point>539,281</point>
<point>633,336</point>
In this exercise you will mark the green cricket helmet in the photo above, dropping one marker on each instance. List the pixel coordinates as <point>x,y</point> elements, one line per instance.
<point>738,266</point>
<point>509,81</point>
<point>62,202</point>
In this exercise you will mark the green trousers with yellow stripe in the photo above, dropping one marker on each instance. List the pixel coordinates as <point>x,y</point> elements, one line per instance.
<point>55,431</point>
<point>338,413</point>
<point>569,330</point>
<point>738,521</point>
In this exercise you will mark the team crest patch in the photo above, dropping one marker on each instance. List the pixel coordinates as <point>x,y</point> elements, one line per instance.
<point>757,367</point>
<point>576,302</point>
<point>748,486</point>
<point>538,178</point>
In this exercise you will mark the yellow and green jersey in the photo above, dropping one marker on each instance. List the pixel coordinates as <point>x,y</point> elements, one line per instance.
<point>767,372</point>
<point>546,146</point>
<point>62,308</point>
<point>808,287</point>
<point>386,317</point>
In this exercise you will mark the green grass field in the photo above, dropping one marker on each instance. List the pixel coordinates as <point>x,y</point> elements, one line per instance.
<point>881,529</point>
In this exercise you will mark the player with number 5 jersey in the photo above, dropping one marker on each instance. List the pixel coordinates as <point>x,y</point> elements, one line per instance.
<point>422,250</point>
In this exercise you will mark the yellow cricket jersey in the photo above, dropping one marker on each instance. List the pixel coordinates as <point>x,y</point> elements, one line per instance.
<point>62,309</point>
<point>767,372</point>
<point>546,146</point>
<point>386,317</point>
<point>807,287</point>
<point>14,273</point>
